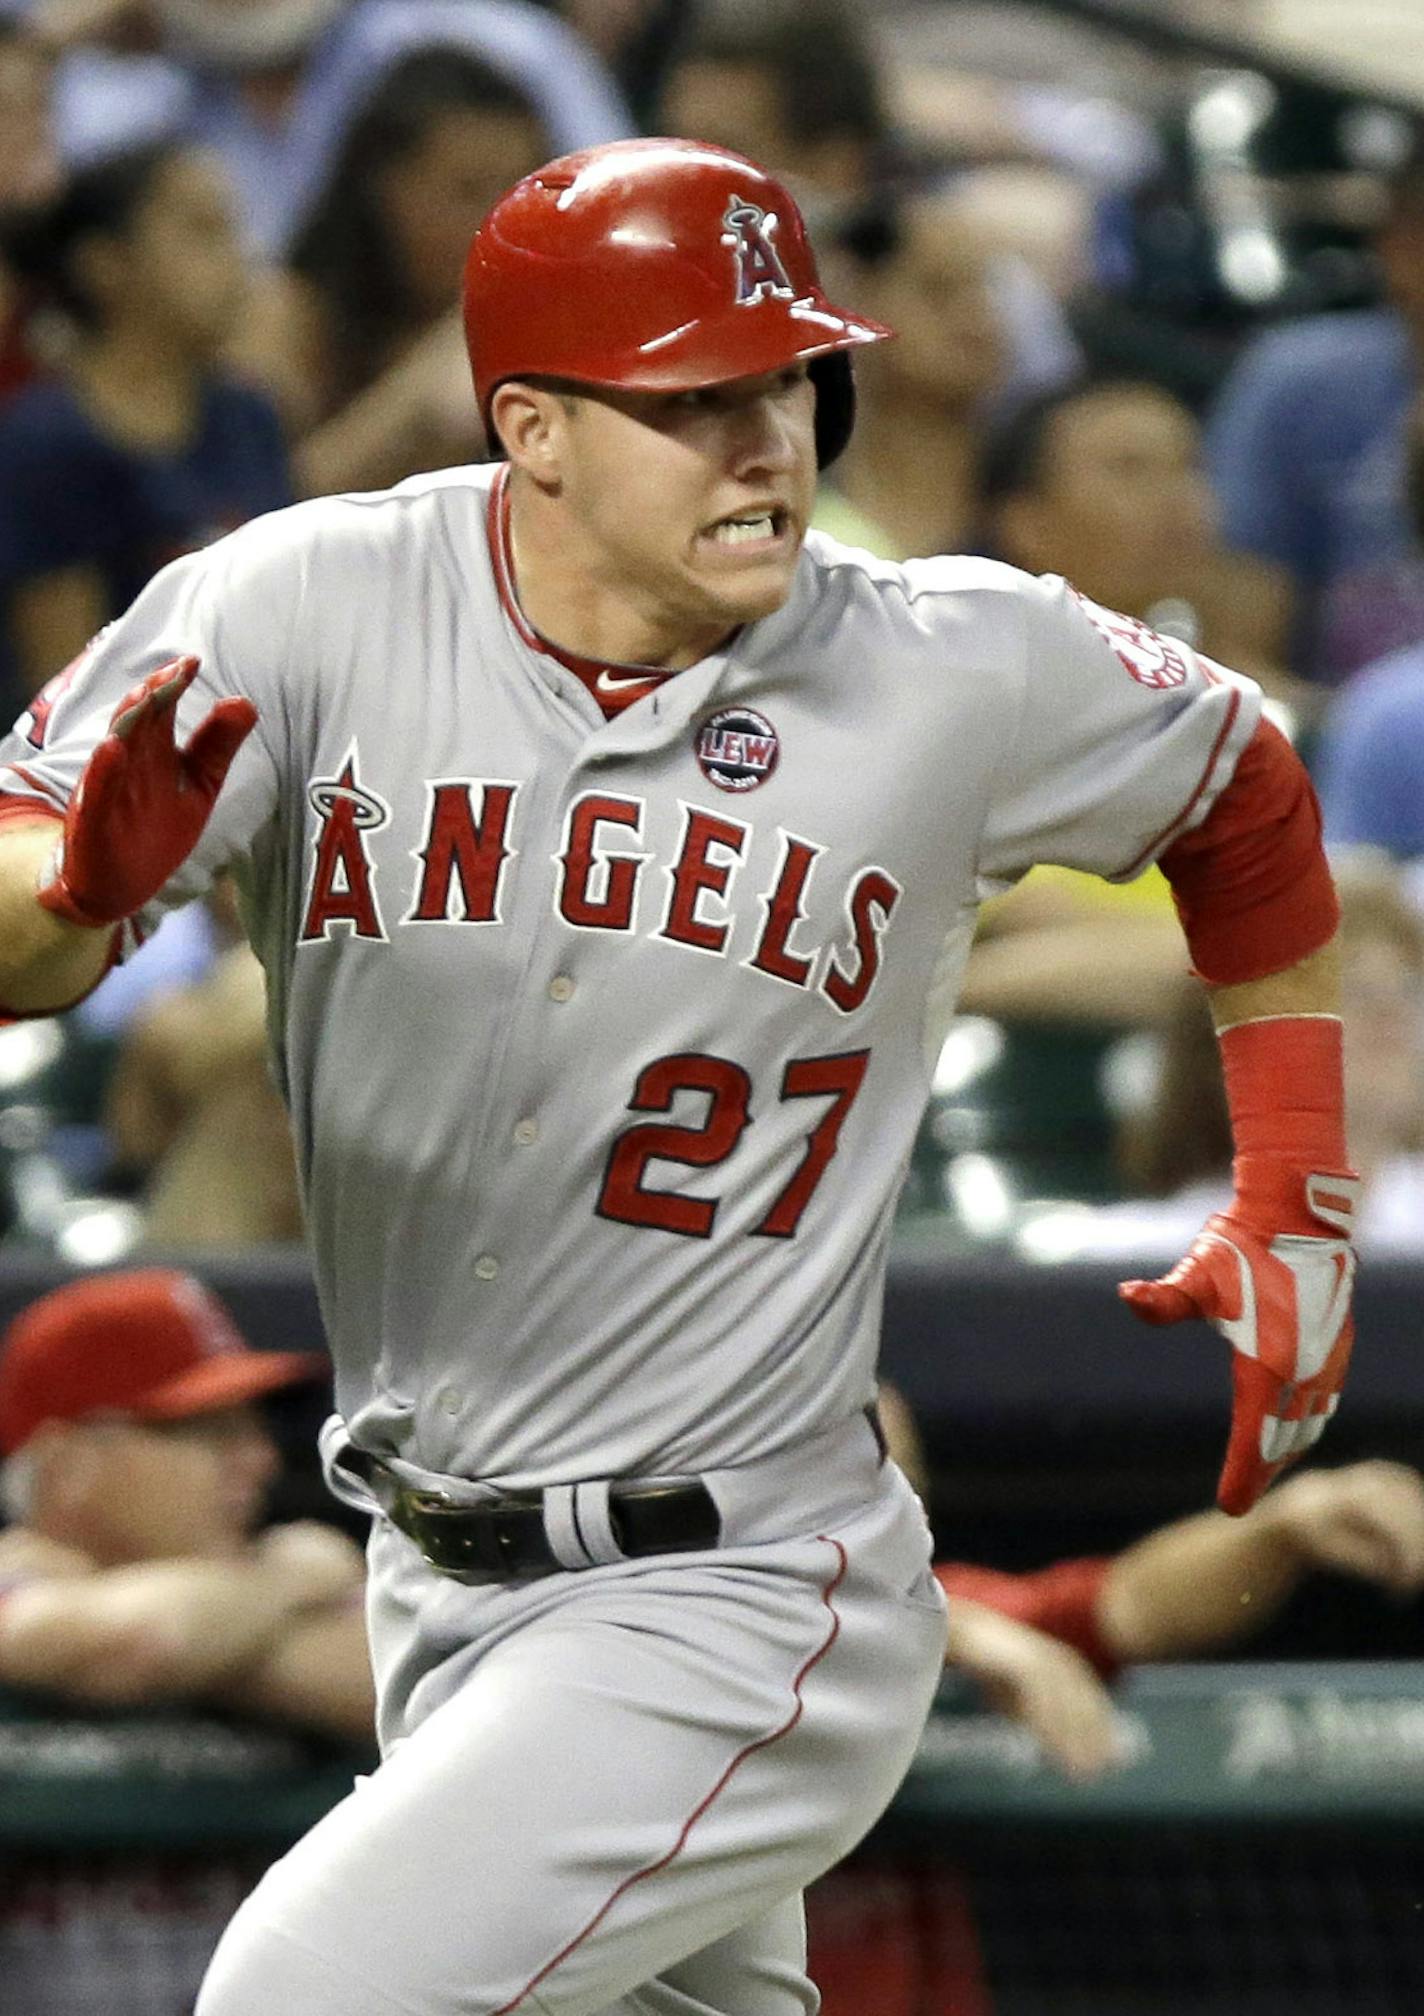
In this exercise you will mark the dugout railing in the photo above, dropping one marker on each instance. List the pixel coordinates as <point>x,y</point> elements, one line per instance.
<point>1258,1854</point>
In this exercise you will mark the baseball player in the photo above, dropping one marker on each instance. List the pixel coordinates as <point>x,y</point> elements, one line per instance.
<point>613,849</point>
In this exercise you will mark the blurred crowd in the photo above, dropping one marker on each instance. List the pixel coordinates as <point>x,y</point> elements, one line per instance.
<point>1167,340</point>
<point>1169,343</point>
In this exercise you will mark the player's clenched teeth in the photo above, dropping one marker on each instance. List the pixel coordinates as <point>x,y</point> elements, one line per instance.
<point>736,531</point>
<point>751,527</point>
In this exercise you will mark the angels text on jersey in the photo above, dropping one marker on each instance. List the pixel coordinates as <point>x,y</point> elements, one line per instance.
<point>601,879</point>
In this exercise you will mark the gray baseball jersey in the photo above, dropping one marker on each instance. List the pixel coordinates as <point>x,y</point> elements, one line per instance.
<point>605,1041</point>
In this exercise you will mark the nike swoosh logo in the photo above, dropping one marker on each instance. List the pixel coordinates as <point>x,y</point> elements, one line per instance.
<point>608,682</point>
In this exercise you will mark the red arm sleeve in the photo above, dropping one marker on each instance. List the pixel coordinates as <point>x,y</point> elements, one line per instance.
<point>1251,884</point>
<point>1061,1600</point>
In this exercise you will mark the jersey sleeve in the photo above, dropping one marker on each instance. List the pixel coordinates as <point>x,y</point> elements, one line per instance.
<point>1116,742</point>
<point>232,606</point>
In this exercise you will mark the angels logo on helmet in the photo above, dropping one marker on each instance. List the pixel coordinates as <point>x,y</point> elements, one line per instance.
<point>748,230</point>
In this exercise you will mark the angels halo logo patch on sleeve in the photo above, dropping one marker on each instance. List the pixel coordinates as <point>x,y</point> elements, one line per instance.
<point>737,749</point>
<point>1152,660</point>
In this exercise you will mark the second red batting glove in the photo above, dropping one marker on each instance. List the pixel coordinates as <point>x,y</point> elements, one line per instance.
<point>142,802</point>
<point>1282,1301</point>
<point>1274,1272</point>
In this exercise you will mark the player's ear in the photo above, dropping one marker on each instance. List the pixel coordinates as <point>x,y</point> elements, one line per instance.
<point>532,422</point>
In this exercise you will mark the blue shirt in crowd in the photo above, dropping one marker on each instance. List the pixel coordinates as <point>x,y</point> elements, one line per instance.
<point>72,497</point>
<point>1370,763</point>
<point>1307,451</point>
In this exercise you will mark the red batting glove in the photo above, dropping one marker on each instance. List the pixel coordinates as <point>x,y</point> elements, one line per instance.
<point>1281,1299</point>
<point>1274,1272</point>
<point>142,802</point>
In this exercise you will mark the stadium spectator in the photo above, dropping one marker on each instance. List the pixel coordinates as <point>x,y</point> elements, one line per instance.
<point>639,40</point>
<point>1307,451</point>
<point>1370,760</point>
<point>1059,948</point>
<point>1104,481</point>
<point>272,85</point>
<point>144,447</point>
<point>360,339</point>
<point>1042,1644</point>
<point>910,475</point>
<point>1196,1586</point>
<point>182,951</point>
<point>796,84</point>
<point>134,1469</point>
<point>194,1116</point>
<point>133,1466</point>
<point>29,174</point>
<point>29,157</point>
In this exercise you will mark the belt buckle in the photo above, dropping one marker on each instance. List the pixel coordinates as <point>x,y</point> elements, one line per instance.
<point>421,1516</point>
<point>465,1543</point>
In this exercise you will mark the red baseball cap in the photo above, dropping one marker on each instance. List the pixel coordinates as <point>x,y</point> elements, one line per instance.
<point>152,1343</point>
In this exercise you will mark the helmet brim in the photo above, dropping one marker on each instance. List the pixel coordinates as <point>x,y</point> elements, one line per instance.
<point>808,331</point>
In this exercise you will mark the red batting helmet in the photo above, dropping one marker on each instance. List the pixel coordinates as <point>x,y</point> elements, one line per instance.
<point>657,266</point>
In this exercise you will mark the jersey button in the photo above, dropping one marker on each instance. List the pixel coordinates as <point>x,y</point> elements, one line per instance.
<point>561,988</point>
<point>450,1400</point>
<point>487,1267</point>
<point>526,1133</point>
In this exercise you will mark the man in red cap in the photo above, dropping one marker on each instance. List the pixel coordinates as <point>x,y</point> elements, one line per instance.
<point>135,1465</point>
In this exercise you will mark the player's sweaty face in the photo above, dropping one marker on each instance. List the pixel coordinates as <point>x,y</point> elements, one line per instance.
<point>696,503</point>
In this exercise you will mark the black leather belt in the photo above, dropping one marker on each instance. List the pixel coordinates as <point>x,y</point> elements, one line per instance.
<point>507,1536</point>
